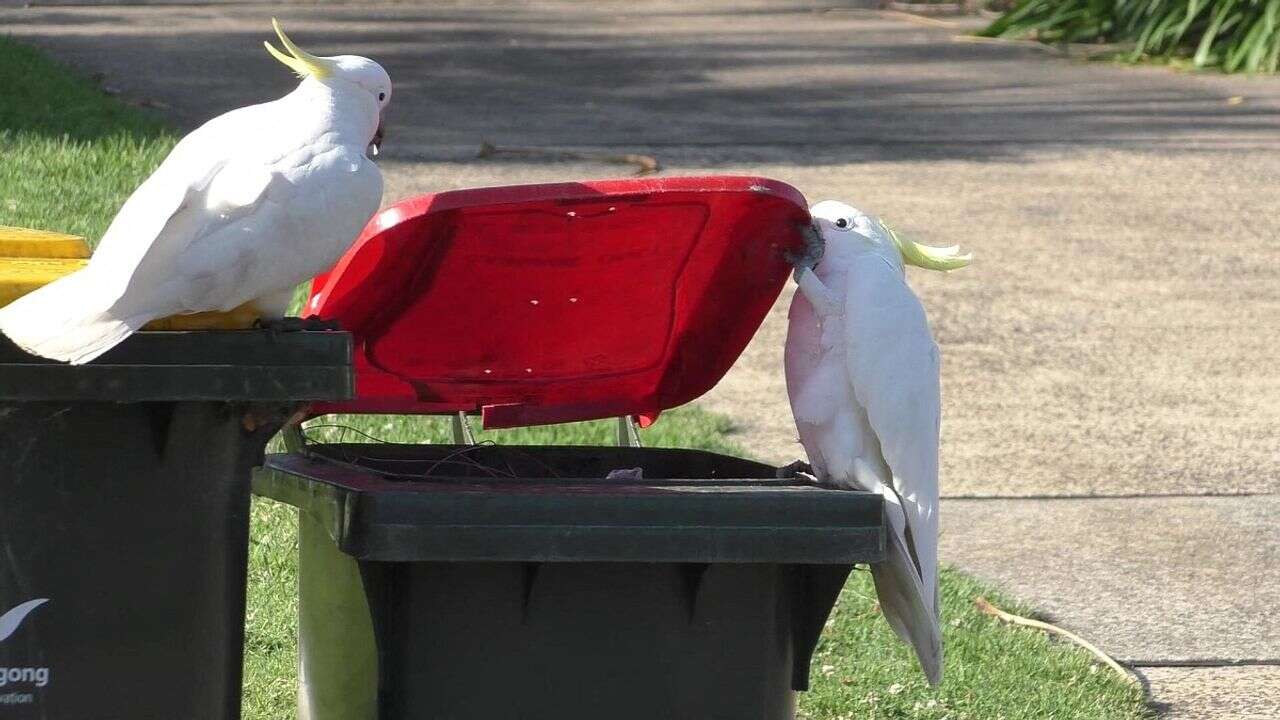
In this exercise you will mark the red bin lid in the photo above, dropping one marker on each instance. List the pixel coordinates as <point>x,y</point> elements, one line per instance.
<point>539,304</point>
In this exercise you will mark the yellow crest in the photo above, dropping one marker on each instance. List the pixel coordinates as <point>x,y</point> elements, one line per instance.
<point>943,259</point>
<point>301,61</point>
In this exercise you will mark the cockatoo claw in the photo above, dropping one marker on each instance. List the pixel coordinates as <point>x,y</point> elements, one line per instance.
<point>796,469</point>
<point>295,324</point>
<point>809,478</point>
<point>315,322</point>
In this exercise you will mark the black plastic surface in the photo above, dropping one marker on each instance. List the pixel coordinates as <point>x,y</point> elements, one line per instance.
<point>250,365</point>
<point>552,504</point>
<point>583,641</point>
<point>131,520</point>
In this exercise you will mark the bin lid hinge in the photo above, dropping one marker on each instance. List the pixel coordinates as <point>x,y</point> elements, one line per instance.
<point>628,433</point>
<point>462,432</point>
<point>294,440</point>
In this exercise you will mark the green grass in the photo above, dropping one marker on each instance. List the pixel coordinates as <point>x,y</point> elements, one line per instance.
<point>992,671</point>
<point>69,156</point>
<point>1232,35</point>
<point>685,427</point>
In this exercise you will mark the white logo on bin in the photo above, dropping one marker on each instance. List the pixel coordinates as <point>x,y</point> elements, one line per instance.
<point>10,621</point>
<point>13,676</point>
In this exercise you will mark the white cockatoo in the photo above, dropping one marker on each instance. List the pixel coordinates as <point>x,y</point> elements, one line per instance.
<point>862,377</point>
<point>244,209</point>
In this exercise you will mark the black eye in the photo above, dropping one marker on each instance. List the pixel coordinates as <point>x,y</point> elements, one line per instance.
<point>842,223</point>
<point>382,96</point>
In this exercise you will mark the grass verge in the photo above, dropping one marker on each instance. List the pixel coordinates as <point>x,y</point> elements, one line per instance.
<point>70,156</point>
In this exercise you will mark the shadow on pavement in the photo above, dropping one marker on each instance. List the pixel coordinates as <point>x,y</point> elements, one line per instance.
<point>706,80</point>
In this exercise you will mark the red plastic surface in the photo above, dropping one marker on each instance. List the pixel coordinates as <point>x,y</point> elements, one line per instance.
<point>551,303</point>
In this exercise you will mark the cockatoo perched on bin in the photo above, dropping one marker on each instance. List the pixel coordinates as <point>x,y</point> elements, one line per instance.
<point>244,209</point>
<point>862,376</point>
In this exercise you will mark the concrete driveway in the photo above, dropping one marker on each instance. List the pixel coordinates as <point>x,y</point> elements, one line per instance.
<point>1116,337</point>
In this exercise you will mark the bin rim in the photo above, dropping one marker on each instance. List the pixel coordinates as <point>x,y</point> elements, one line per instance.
<point>258,365</point>
<point>444,519</point>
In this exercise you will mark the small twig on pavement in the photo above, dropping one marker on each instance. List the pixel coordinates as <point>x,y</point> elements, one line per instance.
<point>923,13</point>
<point>1052,49</point>
<point>1086,51</point>
<point>645,164</point>
<point>985,606</point>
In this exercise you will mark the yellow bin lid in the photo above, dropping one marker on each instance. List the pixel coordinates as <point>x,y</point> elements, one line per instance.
<point>30,259</point>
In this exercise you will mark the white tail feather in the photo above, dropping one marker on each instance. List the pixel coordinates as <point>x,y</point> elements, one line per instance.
<point>64,320</point>
<point>911,611</point>
<point>904,606</point>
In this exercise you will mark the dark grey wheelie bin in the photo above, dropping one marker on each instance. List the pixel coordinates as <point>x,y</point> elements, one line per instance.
<point>124,517</point>
<point>516,582</point>
<point>476,582</point>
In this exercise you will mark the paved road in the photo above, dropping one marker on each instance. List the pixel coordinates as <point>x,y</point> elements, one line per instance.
<point>1110,337</point>
<point>1116,336</point>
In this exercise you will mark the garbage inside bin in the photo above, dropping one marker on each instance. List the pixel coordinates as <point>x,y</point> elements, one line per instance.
<point>124,517</point>
<point>478,581</point>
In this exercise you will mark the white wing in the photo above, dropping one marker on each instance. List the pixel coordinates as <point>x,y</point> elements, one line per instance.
<point>893,366</point>
<point>255,230</point>
<point>188,169</point>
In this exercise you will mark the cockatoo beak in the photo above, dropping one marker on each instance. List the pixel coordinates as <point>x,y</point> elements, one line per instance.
<point>814,248</point>
<point>375,145</point>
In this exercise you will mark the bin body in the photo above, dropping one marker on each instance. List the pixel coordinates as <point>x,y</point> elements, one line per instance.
<point>699,591</point>
<point>124,506</point>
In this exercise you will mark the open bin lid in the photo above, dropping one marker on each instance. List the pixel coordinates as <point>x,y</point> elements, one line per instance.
<point>542,304</point>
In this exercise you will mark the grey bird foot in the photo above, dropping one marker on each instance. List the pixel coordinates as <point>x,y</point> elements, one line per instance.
<point>295,324</point>
<point>798,469</point>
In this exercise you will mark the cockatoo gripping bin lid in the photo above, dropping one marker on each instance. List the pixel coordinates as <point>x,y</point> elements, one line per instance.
<point>485,581</point>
